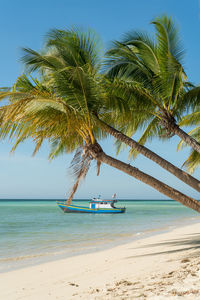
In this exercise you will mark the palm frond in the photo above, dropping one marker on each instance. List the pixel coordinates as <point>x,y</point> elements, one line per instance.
<point>190,119</point>
<point>168,38</point>
<point>79,169</point>
<point>150,131</point>
<point>77,45</point>
<point>192,162</point>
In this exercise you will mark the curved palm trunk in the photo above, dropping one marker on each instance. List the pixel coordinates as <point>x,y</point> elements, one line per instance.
<point>186,137</point>
<point>98,154</point>
<point>185,177</point>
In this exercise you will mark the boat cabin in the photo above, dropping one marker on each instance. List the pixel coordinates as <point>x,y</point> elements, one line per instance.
<point>96,203</point>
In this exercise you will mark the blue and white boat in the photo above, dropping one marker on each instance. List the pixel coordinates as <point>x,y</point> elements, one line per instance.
<point>96,205</point>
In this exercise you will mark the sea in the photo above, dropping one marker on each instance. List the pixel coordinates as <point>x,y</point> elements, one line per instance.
<point>36,231</point>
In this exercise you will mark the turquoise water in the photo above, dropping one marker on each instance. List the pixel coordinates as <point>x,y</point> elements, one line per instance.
<point>35,231</point>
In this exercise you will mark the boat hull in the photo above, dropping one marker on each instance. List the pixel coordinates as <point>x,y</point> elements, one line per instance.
<point>84,209</point>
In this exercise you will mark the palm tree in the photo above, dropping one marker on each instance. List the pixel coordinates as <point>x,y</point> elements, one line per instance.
<point>36,113</point>
<point>64,53</point>
<point>58,108</point>
<point>147,73</point>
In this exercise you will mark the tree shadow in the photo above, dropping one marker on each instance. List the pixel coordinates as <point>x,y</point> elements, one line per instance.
<point>191,242</point>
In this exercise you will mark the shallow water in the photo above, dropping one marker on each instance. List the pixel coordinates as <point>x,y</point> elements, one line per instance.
<point>36,231</point>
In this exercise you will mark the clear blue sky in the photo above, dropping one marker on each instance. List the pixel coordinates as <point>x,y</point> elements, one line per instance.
<point>24,24</point>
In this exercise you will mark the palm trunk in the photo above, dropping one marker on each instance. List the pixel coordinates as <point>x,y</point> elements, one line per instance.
<point>183,176</point>
<point>186,137</point>
<point>98,154</point>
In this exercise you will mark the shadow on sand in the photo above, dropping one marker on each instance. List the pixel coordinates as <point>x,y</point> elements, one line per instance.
<point>189,242</point>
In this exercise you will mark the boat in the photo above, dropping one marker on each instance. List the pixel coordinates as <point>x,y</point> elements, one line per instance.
<point>96,205</point>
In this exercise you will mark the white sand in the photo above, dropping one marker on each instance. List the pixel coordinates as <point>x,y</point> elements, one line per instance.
<point>163,266</point>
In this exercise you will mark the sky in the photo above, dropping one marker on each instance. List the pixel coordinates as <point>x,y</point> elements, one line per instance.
<point>24,24</point>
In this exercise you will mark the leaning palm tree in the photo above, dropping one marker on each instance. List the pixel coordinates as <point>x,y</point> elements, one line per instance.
<point>59,108</point>
<point>35,112</point>
<point>148,74</point>
<point>66,52</point>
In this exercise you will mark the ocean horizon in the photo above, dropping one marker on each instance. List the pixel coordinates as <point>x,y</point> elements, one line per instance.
<point>33,231</point>
<point>85,200</point>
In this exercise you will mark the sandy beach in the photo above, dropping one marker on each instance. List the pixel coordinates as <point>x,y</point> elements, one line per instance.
<point>163,266</point>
